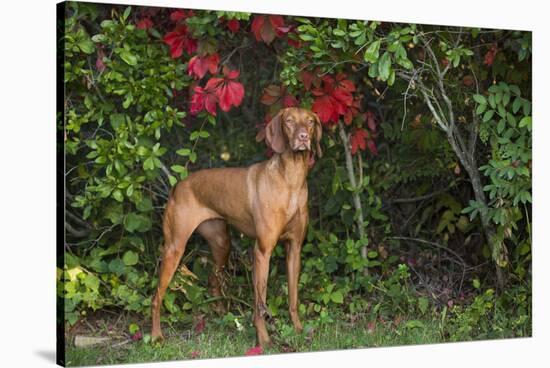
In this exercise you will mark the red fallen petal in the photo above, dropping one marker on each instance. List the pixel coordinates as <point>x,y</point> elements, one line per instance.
<point>254,351</point>
<point>195,354</point>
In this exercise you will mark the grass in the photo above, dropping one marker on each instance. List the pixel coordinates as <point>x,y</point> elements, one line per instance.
<point>219,340</point>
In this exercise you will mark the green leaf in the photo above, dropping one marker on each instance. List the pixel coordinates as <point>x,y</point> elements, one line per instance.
<point>372,52</point>
<point>476,283</point>
<point>525,122</point>
<point>516,105</point>
<point>488,115</point>
<point>384,66</point>
<point>86,46</point>
<point>117,194</point>
<point>178,168</point>
<point>128,57</point>
<point>183,152</point>
<point>130,258</point>
<point>126,13</point>
<point>480,108</point>
<point>372,254</point>
<point>337,297</point>
<point>480,99</point>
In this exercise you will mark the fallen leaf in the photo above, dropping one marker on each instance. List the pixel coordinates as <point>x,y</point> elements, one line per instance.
<point>254,351</point>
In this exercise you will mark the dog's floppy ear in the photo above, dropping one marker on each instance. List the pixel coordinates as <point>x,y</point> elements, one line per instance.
<point>317,134</point>
<point>274,135</point>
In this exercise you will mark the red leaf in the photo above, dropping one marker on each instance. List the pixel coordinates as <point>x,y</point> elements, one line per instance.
<point>254,351</point>
<point>233,25</point>
<point>137,336</point>
<point>195,354</point>
<point>358,140</point>
<point>257,25</point>
<point>307,78</point>
<point>266,28</point>
<point>178,15</point>
<point>203,98</point>
<point>144,23</point>
<point>322,106</point>
<point>372,147</point>
<point>343,96</point>
<point>290,101</point>
<point>231,93</point>
<point>178,40</point>
<point>371,120</point>
<point>198,66</point>
<point>230,74</point>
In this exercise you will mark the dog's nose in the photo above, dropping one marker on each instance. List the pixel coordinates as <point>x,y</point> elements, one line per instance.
<point>303,136</point>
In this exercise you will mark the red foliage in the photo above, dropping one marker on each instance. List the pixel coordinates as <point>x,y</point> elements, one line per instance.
<point>233,25</point>
<point>267,27</point>
<point>179,40</point>
<point>490,55</point>
<point>195,354</point>
<point>198,66</point>
<point>254,351</point>
<point>203,98</point>
<point>333,99</point>
<point>179,15</point>
<point>274,95</point>
<point>137,336</point>
<point>358,140</point>
<point>144,23</point>
<point>225,91</point>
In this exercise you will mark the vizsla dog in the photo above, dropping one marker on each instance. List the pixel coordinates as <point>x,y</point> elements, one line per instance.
<point>266,201</point>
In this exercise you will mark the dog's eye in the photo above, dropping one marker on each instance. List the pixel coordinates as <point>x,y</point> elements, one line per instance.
<point>310,122</point>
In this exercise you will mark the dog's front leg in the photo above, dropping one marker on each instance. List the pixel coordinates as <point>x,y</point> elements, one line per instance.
<point>262,254</point>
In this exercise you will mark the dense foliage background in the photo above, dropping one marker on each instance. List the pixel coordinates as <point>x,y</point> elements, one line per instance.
<point>420,208</point>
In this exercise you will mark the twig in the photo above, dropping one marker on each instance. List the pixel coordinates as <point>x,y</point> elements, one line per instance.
<point>462,263</point>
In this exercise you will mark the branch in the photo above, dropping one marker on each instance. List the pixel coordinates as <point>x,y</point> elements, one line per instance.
<point>76,233</point>
<point>462,263</point>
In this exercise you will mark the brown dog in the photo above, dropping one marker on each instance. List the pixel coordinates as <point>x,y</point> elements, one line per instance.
<point>266,201</point>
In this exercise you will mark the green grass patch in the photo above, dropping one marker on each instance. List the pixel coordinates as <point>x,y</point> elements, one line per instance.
<point>221,340</point>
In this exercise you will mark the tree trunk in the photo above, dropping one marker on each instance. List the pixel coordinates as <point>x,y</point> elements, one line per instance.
<point>355,196</point>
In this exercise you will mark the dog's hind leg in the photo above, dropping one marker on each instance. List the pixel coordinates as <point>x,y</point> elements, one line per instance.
<point>217,235</point>
<point>179,223</point>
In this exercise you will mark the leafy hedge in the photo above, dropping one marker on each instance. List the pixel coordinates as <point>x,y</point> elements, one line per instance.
<point>421,204</point>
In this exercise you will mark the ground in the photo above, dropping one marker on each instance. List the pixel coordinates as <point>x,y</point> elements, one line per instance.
<point>218,338</point>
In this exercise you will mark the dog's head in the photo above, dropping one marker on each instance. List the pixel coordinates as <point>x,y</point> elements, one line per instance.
<point>294,129</point>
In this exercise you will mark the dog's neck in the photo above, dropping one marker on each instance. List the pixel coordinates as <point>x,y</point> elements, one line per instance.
<point>293,166</point>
